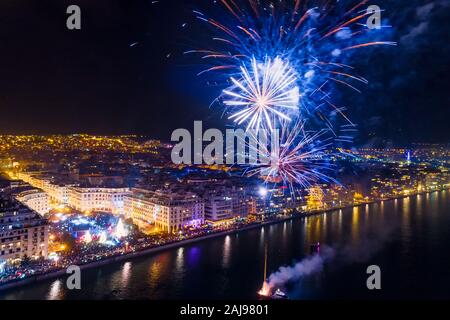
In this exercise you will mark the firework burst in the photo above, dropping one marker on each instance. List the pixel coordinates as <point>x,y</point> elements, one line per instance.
<point>316,39</point>
<point>264,95</point>
<point>299,161</point>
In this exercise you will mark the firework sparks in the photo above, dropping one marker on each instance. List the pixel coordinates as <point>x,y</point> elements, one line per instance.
<point>315,43</point>
<point>265,290</point>
<point>298,162</point>
<point>265,93</point>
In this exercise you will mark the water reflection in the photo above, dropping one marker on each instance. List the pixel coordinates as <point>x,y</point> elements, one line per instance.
<point>419,207</point>
<point>226,251</point>
<point>158,268</point>
<point>126,273</point>
<point>317,227</point>
<point>261,238</point>
<point>194,256</point>
<point>309,229</point>
<point>155,269</point>
<point>324,228</point>
<point>179,263</point>
<point>355,224</point>
<point>340,222</point>
<point>56,291</point>
<point>405,211</point>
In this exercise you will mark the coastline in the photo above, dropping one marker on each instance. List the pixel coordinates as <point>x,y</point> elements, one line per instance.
<point>127,256</point>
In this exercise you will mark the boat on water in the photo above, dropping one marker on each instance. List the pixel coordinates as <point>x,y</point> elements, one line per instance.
<point>280,295</point>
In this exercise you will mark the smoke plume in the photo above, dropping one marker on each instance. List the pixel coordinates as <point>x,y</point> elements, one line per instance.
<point>306,267</point>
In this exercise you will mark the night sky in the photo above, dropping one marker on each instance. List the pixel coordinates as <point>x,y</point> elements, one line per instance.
<point>124,71</point>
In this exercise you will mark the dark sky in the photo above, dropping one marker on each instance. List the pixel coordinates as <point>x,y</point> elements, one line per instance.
<point>53,80</point>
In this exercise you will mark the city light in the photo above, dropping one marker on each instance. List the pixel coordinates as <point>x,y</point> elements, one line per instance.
<point>263,192</point>
<point>120,231</point>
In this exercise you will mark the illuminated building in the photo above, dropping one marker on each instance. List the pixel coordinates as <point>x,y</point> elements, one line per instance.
<point>98,199</point>
<point>222,204</point>
<point>32,178</point>
<point>166,210</point>
<point>139,206</point>
<point>23,232</point>
<point>85,199</point>
<point>35,199</point>
<point>315,198</point>
<point>218,208</point>
<point>56,192</point>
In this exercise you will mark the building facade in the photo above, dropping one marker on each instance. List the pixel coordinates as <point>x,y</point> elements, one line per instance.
<point>56,192</point>
<point>23,232</point>
<point>97,199</point>
<point>35,199</point>
<point>82,198</point>
<point>224,204</point>
<point>166,210</point>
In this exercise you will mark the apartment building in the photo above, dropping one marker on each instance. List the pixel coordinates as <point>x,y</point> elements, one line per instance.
<point>165,209</point>
<point>35,199</point>
<point>88,199</point>
<point>23,232</point>
<point>222,204</point>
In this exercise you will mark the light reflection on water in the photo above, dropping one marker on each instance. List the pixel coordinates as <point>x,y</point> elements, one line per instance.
<point>355,224</point>
<point>126,273</point>
<point>56,292</point>
<point>180,260</point>
<point>226,251</point>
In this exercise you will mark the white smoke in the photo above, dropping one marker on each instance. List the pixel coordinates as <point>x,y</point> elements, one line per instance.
<point>366,247</point>
<point>314,264</point>
<point>306,267</point>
